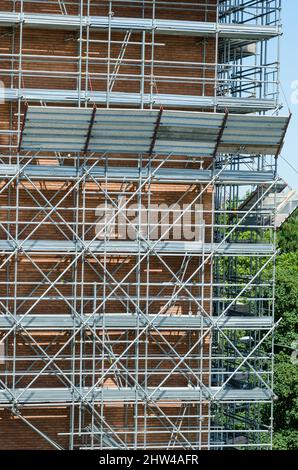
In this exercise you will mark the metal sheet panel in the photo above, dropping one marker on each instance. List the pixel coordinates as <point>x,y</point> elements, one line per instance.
<point>253,134</point>
<point>56,129</point>
<point>131,131</point>
<point>122,131</point>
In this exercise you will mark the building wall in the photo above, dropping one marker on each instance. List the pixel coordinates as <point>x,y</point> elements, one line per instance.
<point>205,10</point>
<point>23,198</point>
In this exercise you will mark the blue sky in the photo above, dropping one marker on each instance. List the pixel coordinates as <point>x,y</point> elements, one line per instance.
<point>289,73</point>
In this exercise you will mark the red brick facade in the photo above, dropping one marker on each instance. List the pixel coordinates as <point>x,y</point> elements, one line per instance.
<point>24,198</point>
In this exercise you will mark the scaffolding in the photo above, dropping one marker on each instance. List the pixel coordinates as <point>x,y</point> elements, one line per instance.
<point>113,111</point>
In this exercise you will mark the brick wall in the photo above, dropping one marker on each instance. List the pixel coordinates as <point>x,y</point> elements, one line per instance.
<point>14,433</point>
<point>197,10</point>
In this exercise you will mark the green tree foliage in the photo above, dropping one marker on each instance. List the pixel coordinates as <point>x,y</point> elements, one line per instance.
<point>287,297</point>
<point>286,440</point>
<point>286,372</point>
<point>288,235</point>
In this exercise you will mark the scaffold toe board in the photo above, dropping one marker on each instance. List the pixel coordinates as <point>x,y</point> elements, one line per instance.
<point>133,247</point>
<point>164,175</point>
<point>160,26</point>
<point>174,394</point>
<point>132,322</point>
<point>234,104</point>
<point>138,131</point>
